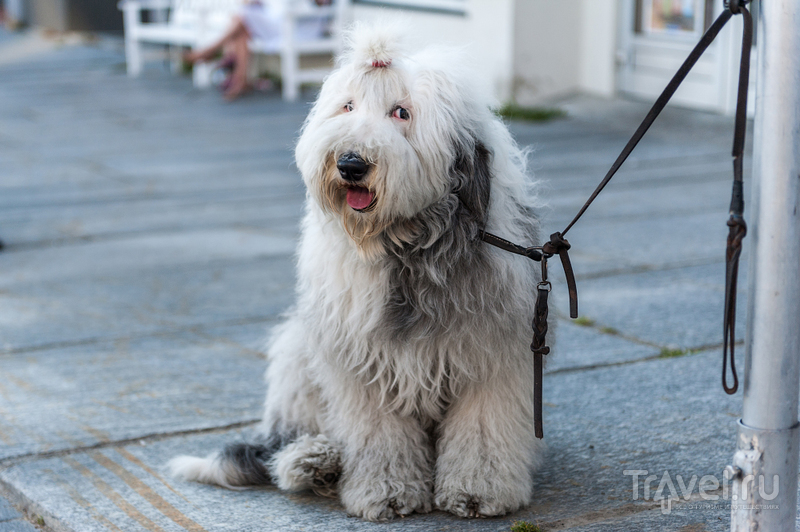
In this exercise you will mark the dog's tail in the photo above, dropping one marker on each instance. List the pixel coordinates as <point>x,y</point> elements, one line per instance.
<point>237,465</point>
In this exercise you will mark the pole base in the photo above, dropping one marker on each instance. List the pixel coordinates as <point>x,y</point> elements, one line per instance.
<point>764,474</point>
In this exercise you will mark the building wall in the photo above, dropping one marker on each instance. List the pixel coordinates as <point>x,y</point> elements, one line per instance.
<point>598,46</point>
<point>485,30</point>
<point>546,48</point>
<point>50,14</point>
<point>562,47</point>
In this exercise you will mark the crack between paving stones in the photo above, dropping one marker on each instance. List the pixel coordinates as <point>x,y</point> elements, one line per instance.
<point>691,352</point>
<point>154,437</point>
<point>633,339</point>
<point>221,196</point>
<point>195,194</point>
<point>196,328</point>
<point>122,236</point>
<point>643,217</point>
<point>607,151</point>
<point>215,263</point>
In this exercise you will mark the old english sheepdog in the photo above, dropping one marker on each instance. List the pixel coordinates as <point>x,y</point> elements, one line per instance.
<point>402,380</point>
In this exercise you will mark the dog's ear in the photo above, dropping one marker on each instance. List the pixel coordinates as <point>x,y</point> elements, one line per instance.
<point>471,177</point>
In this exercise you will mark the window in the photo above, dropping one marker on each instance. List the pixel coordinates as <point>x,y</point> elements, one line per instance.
<point>673,17</point>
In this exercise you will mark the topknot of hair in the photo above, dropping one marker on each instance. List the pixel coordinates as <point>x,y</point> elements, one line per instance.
<point>374,45</point>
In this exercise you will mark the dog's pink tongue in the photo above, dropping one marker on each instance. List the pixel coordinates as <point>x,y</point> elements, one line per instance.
<point>359,198</point>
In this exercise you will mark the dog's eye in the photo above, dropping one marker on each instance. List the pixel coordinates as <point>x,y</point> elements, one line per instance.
<point>401,113</point>
<point>348,107</point>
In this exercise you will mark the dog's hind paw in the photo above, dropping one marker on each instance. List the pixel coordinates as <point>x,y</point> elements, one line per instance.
<point>310,462</point>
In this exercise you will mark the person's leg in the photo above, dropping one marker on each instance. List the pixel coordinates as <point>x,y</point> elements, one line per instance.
<point>241,53</point>
<point>237,31</point>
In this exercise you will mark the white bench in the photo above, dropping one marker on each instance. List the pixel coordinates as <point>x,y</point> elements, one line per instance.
<point>196,23</point>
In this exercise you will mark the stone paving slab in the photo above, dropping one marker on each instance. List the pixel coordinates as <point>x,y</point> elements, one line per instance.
<point>604,247</point>
<point>37,215</point>
<point>679,307</point>
<point>140,253</point>
<point>248,336</point>
<point>124,304</point>
<point>669,190</point>
<point>596,429</point>
<point>7,512</point>
<point>79,396</point>
<point>91,223</point>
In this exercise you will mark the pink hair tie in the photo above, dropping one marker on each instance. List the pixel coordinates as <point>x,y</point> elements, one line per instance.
<point>381,64</point>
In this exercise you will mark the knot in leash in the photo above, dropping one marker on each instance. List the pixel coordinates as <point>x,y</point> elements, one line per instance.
<point>738,230</point>
<point>559,245</point>
<point>735,6</point>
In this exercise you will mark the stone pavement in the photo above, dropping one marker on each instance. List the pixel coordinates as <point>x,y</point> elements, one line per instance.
<point>149,233</point>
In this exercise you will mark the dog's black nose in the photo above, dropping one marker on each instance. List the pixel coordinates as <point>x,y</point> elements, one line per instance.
<point>352,167</point>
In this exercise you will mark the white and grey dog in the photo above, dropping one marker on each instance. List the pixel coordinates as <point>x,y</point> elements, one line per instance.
<point>402,379</point>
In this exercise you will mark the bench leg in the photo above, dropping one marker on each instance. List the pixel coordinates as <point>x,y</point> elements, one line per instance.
<point>201,75</point>
<point>289,68</point>
<point>133,57</point>
<point>133,48</point>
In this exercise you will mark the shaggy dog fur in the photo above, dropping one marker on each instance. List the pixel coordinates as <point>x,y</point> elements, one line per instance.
<point>402,379</point>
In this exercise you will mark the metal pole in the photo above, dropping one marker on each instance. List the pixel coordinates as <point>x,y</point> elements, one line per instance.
<point>768,437</point>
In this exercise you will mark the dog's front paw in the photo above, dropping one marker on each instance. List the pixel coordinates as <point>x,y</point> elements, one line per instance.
<point>383,500</point>
<point>464,504</point>
<point>480,496</point>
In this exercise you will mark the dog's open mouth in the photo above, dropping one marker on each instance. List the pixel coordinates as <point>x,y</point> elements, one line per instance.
<point>360,198</point>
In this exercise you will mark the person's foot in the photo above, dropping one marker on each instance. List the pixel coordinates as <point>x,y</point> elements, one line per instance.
<point>235,89</point>
<point>226,84</point>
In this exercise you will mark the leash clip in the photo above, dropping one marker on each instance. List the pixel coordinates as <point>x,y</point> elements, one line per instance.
<point>544,285</point>
<point>544,270</point>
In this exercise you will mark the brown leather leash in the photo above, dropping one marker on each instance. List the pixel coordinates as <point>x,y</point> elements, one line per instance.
<point>558,245</point>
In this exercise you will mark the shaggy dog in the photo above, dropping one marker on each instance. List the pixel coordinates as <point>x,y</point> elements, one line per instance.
<point>402,379</point>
